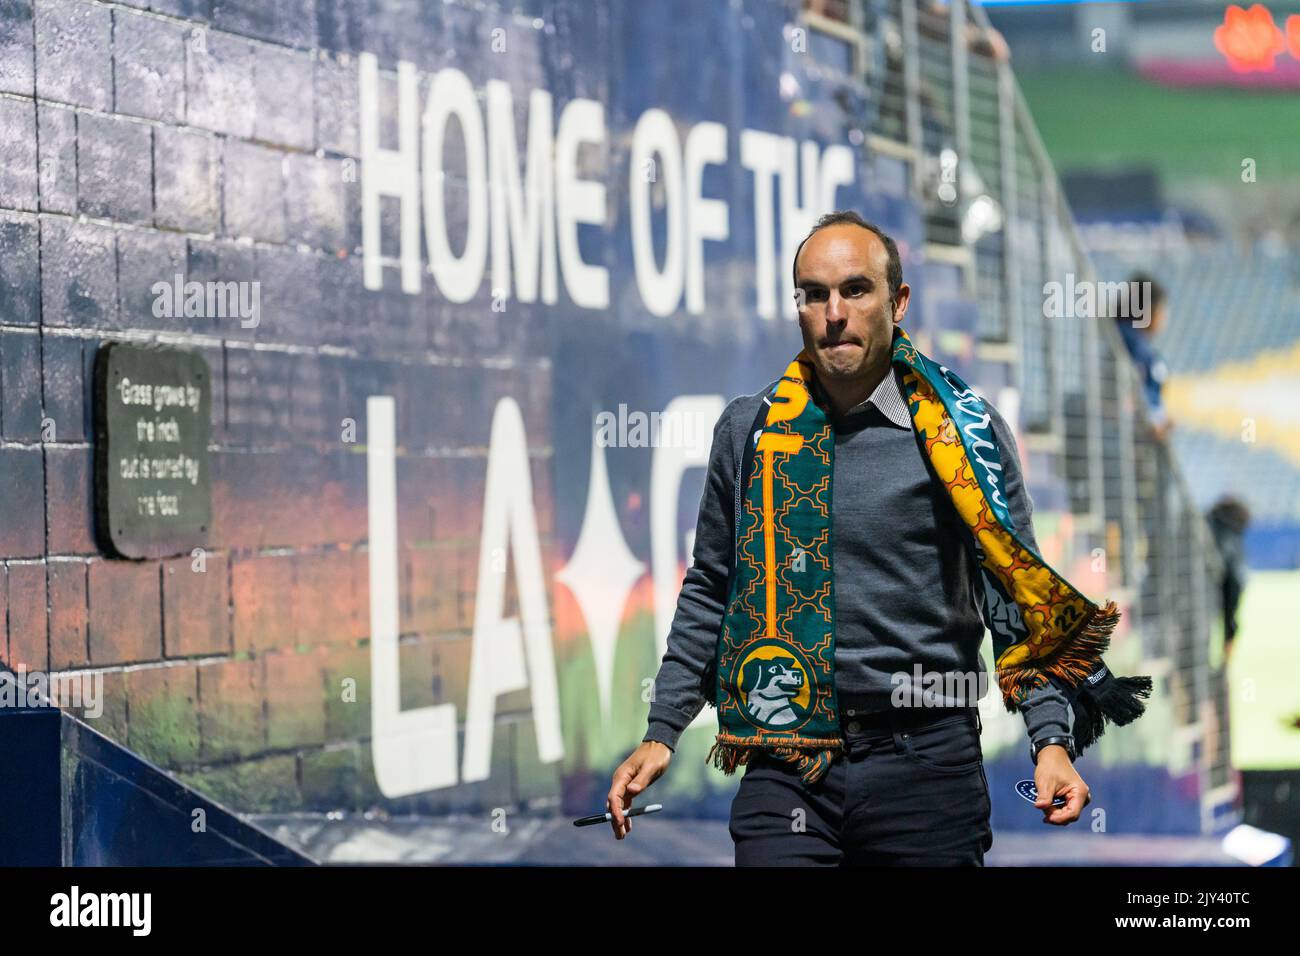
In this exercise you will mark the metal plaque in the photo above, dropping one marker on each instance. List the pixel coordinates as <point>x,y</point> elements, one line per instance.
<point>153,479</point>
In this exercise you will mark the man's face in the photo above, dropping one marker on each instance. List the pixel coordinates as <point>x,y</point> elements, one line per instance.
<point>846,313</point>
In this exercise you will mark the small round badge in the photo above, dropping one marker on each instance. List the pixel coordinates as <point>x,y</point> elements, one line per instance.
<point>1029,791</point>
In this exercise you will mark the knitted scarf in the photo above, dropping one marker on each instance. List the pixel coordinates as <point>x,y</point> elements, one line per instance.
<point>774,670</point>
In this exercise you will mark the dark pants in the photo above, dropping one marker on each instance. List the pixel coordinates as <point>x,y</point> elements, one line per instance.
<point>911,791</point>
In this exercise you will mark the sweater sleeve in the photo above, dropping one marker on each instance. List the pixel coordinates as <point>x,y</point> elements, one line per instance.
<point>692,641</point>
<point>1046,711</point>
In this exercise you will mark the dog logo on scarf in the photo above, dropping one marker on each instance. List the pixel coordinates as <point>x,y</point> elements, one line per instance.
<point>774,686</point>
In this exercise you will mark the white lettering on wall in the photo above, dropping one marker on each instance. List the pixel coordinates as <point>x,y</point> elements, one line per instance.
<point>458,277</point>
<point>387,172</point>
<point>579,201</point>
<point>524,214</point>
<point>706,145</point>
<point>656,149</point>
<point>413,750</point>
<point>510,653</point>
<point>529,224</point>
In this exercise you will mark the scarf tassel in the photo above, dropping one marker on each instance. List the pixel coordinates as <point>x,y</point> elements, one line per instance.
<point>1096,695</point>
<point>727,757</point>
<point>812,765</point>
<point>1115,699</point>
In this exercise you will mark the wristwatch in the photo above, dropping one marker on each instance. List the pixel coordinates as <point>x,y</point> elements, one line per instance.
<point>1067,742</point>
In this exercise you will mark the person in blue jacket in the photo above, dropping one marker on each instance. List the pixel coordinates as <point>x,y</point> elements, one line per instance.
<point>1138,325</point>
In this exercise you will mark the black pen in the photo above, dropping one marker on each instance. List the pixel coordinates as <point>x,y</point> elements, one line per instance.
<point>607,816</point>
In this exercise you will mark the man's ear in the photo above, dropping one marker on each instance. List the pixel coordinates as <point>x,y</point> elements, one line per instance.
<point>898,305</point>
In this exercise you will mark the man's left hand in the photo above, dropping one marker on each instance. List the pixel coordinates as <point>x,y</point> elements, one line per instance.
<point>1054,777</point>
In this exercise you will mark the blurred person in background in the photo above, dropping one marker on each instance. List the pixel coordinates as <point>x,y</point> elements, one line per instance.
<point>1138,326</point>
<point>1228,521</point>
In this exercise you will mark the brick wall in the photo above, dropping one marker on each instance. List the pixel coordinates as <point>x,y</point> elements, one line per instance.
<point>143,140</point>
<point>220,139</point>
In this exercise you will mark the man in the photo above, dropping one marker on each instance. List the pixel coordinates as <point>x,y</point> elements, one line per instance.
<point>910,787</point>
<point>1147,299</point>
<point>1228,520</point>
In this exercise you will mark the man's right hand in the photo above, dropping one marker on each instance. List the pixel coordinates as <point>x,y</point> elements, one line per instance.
<point>646,765</point>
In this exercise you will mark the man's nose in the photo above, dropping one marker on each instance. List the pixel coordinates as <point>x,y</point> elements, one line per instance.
<point>835,311</point>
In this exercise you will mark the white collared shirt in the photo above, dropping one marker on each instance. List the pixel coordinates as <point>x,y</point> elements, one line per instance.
<point>887,398</point>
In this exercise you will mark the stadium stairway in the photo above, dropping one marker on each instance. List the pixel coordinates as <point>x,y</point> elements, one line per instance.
<point>69,796</point>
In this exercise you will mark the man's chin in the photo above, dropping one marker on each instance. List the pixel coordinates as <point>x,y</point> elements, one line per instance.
<point>841,362</point>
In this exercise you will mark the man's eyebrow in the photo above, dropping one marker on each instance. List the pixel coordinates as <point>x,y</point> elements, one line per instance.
<point>814,283</point>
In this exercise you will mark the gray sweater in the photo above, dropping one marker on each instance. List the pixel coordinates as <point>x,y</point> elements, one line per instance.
<point>906,584</point>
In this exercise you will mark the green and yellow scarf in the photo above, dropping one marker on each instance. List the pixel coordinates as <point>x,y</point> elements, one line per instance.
<point>774,680</point>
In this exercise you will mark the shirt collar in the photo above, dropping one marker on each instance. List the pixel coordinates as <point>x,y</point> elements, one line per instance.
<point>887,398</point>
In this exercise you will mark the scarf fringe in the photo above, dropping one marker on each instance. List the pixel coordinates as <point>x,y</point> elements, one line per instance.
<point>729,752</point>
<point>1117,699</point>
<point>1098,696</point>
<point>1071,663</point>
